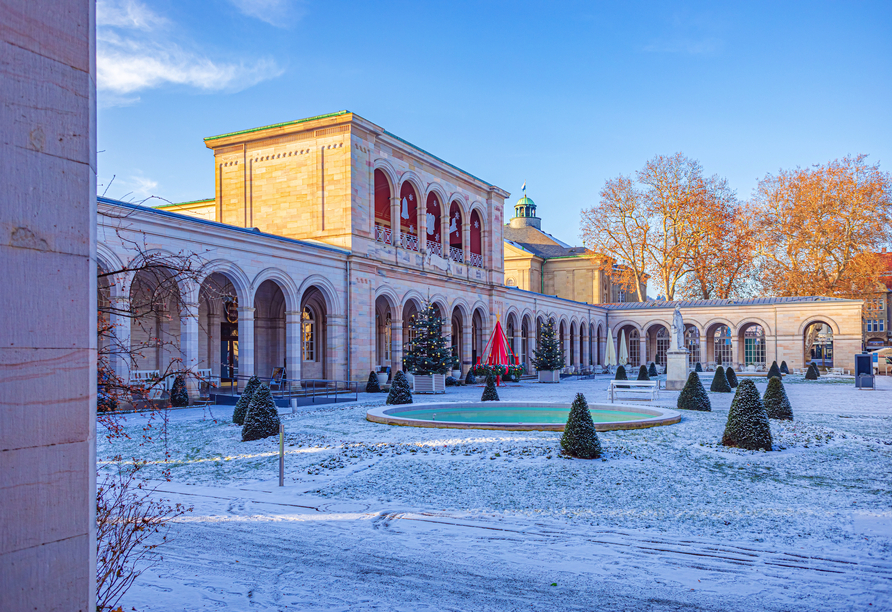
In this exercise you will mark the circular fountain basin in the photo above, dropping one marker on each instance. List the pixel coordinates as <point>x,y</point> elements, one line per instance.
<point>519,416</point>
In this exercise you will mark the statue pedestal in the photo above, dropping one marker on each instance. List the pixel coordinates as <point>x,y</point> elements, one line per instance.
<point>676,369</point>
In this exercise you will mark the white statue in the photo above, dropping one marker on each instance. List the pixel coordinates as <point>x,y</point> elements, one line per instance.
<point>678,330</point>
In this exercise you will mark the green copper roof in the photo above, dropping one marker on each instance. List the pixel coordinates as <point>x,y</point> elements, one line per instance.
<point>525,201</point>
<point>275,125</point>
<point>183,203</point>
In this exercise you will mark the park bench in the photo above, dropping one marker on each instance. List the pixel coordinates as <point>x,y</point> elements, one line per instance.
<point>641,387</point>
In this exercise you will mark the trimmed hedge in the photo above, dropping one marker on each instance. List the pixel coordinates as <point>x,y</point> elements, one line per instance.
<point>244,400</point>
<point>400,391</point>
<point>731,375</point>
<point>812,372</point>
<point>470,379</point>
<point>262,420</point>
<point>652,370</point>
<point>774,371</point>
<point>642,373</point>
<point>698,367</point>
<point>783,367</point>
<point>179,397</point>
<point>621,374</point>
<point>747,425</point>
<point>693,396</point>
<point>720,381</point>
<point>372,386</point>
<point>489,392</point>
<point>777,404</point>
<point>580,438</point>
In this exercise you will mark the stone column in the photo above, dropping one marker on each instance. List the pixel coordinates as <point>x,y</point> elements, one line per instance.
<point>214,321</point>
<point>121,341</point>
<point>466,241</point>
<point>518,345</point>
<point>642,351</point>
<point>395,221</point>
<point>336,351</point>
<point>293,337</point>
<point>444,231</point>
<point>245,344</point>
<point>396,346</point>
<point>189,344</point>
<point>466,352</point>
<point>735,355</point>
<point>703,356</point>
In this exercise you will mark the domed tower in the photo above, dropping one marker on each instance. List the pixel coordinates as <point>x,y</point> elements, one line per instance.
<point>525,214</point>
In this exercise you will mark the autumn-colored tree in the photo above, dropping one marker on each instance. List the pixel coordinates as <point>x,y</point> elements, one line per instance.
<point>618,227</point>
<point>821,227</point>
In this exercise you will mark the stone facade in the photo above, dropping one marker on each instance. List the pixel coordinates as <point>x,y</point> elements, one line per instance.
<point>329,233</point>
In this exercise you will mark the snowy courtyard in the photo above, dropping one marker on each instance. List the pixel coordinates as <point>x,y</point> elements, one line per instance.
<point>377,517</point>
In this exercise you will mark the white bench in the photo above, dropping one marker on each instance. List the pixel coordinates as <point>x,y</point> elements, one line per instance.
<point>646,387</point>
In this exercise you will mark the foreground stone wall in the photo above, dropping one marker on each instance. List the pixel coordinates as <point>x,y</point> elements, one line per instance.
<point>48,320</point>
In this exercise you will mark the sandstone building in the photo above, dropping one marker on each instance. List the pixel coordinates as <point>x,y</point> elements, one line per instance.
<point>327,234</point>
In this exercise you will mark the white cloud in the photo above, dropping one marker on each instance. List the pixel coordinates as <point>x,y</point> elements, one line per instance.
<point>127,14</point>
<point>137,51</point>
<point>279,13</point>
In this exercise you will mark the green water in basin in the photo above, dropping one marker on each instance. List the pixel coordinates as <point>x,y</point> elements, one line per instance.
<point>508,414</point>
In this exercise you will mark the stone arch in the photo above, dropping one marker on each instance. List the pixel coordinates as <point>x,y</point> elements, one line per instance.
<point>437,188</point>
<point>326,287</point>
<point>818,319</point>
<point>709,325</point>
<point>412,296</point>
<point>749,321</point>
<point>654,322</point>
<point>283,280</point>
<point>233,273</point>
<point>462,306</point>
<point>388,293</point>
<point>619,325</point>
<point>462,202</point>
<point>107,259</point>
<point>389,171</point>
<point>410,177</point>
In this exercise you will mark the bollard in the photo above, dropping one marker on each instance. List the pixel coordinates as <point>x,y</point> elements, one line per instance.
<point>281,454</point>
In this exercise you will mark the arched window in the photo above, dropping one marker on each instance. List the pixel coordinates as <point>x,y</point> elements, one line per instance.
<point>455,234</point>
<point>409,216</point>
<point>383,229</point>
<point>634,347</point>
<point>476,246</point>
<point>308,335</point>
<point>819,344</point>
<point>662,347</point>
<point>754,345</point>
<point>692,343</point>
<point>722,345</point>
<point>434,241</point>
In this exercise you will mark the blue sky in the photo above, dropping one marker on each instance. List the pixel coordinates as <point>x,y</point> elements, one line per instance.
<point>560,95</point>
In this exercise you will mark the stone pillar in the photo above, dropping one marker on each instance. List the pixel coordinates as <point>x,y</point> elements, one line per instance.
<point>466,352</point>
<point>518,344</point>
<point>48,274</point>
<point>293,334</point>
<point>245,344</point>
<point>676,369</point>
<point>704,358</point>
<point>336,351</point>
<point>642,351</point>
<point>214,321</point>
<point>466,241</point>
<point>121,341</point>
<point>395,221</point>
<point>189,344</point>
<point>396,346</point>
<point>735,354</point>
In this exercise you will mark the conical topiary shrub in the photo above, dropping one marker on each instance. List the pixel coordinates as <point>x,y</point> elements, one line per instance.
<point>489,393</point>
<point>580,438</point>
<point>693,396</point>
<point>470,379</point>
<point>652,370</point>
<point>372,386</point>
<point>179,397</point>
<point>400,391</point>
<point>812,372</point>
<point>777,404</point>
<point>698,367</point>
<point>720,381</point>
<point>642,373</point>
<point>747,425</point>
<point>774,371</point>
<point>621,373</point>
<point>262,420</point>
<point>784,369</point>
<point>731,375</point>
<point>244,400</point>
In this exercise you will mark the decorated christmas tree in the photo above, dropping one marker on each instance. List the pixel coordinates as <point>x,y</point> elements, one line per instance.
<point>427,351</point>
<point>178,395</point>
<point>777,404</point>
<point>693,396</point>
<point>372,386</point>
<point>262,420</point>
<point>720,381</point>
<point>642,373</point>
<point>400,391</point>
<point>731,375</point>
<point>241,407</point>
<point>580,438</point>
<point>489,393</point>
<point>747,425</point>
<point>549,356</point>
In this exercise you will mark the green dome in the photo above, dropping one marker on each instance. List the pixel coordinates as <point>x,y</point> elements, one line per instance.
<point>525,201</point>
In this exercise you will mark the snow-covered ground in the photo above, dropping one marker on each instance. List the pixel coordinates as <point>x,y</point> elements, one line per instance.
<point>375,517</point>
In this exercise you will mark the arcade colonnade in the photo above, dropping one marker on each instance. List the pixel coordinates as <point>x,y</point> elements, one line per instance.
<point>262,302</point>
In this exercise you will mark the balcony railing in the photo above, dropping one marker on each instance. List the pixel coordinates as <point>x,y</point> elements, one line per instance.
<point>456,254</point>
<point>435,248</point>
<point>410,242</point>
<point>476,260</point>
<point>383,234</point>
